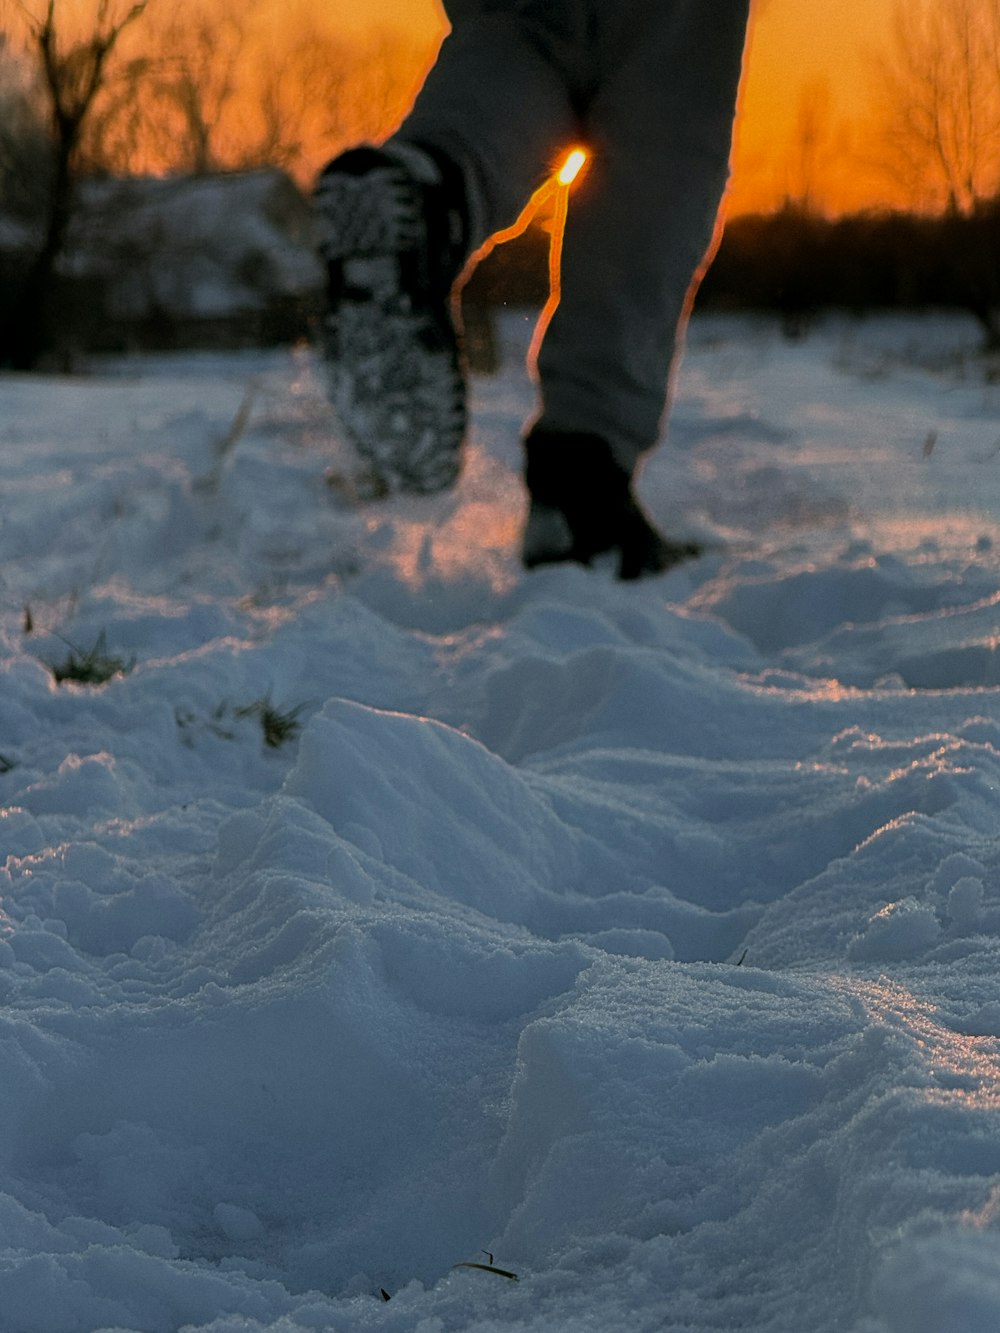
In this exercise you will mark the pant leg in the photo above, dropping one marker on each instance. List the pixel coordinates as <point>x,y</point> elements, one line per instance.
<point>498,102</point>
<point>642,220</point>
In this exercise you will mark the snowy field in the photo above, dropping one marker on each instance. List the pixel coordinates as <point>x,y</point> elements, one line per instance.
<point>391,909</point>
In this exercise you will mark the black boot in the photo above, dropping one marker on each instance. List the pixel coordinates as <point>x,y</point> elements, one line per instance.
<point>582,506</point>
<point>391,226</point>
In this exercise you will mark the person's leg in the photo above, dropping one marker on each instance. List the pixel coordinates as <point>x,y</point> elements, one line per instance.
<point>659,130</point>
<point>499,102</point>
<point>396,225</point>
<point>642,220</point>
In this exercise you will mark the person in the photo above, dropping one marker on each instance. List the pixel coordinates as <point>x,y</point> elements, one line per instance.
<point>649,88</point>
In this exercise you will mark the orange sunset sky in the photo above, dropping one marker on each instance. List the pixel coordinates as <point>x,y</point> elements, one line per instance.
<point>803,53</point>
<point>809,62</point>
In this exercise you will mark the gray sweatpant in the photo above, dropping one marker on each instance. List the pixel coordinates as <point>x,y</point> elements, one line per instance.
<point>649,87</point>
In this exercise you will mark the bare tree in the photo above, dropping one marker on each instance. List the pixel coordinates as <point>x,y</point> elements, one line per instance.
<point>196,76</point>
<point>72,71</point>
<point>939,98</point>
<point>24,142</point>
<point>938,101</point>
<point>282,118</point>
<point>216,87</point>
<point>114,136</point>
<point>326,92</point>
<point>383,79</point>
<point>167,104</point>
<point>810,145</point>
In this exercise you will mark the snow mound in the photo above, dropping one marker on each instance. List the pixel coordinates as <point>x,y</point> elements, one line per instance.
<point>378,921</point>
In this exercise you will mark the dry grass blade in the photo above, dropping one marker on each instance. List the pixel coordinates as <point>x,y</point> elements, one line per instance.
<point>209,483</point>
<point>489,1267</point>
<point>278,727</point>
<point>91,666</point>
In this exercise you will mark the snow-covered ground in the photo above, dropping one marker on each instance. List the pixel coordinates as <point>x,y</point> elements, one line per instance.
<point>646,938</point>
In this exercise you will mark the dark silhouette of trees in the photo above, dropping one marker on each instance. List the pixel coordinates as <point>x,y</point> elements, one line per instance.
<point>72,70</point>
<point>798,265</point>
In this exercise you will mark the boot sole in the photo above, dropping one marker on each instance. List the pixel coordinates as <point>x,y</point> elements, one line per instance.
<point>390,343</point>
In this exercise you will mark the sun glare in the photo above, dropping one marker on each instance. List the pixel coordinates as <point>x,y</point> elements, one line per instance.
<point>570,169</point>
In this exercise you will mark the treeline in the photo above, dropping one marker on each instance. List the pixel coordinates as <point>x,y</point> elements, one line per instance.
<point>797,264</point>
<point>141,250</point>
